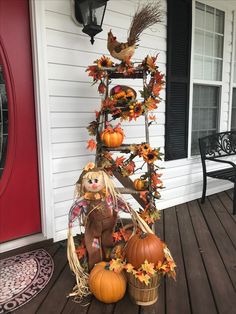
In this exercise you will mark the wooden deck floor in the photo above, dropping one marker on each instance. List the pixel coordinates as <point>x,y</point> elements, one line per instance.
<point>202,239</point>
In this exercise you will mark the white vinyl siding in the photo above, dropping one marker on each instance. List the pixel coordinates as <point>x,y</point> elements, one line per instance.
<point>72,101</point>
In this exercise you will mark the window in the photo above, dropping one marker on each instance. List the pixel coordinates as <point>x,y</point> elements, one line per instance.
<point>207,71</point>
<point>205,113</point>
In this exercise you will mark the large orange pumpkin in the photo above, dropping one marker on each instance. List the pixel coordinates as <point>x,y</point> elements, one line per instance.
<point>140,184</point>
<point>112,137</point>
<point>144,246</point>
<point>106,285</point>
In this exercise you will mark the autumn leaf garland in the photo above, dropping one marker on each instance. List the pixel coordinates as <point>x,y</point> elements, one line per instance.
<point>146,271</point>
<point>122,104</point>
<point>126,107</point>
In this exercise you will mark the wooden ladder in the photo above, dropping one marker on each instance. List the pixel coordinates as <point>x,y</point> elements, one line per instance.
<point>128,186</point>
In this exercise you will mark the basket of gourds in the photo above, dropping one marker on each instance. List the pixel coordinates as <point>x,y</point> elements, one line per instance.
<point>123,94</point>
<point>147,260</point>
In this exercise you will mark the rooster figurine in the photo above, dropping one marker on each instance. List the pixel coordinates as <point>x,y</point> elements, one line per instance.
<point>144,17</point>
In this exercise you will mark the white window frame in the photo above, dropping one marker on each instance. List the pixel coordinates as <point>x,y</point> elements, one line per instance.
<point>232,83</point>
<point>193,81</point>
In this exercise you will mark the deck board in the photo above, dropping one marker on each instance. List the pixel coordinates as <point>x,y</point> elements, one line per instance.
<point>223,291</point>
<point>201,298</point>
<point>60,260</point>
<point>175,303</point>
<point>160,305</point>
<point>202,239</point>
<point>227,203</point>
<point>100,308</point>
<point>57,296</point>
<point>226,220</point>
<point>125,306</point>
<point>72,307</point>
<point>222,241</point>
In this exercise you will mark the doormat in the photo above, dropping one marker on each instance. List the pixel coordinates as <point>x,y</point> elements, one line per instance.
<point>22,277</point>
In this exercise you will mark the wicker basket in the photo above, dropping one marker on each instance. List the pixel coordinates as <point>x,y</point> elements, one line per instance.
<point>125,92</point>
<point>143,294</point>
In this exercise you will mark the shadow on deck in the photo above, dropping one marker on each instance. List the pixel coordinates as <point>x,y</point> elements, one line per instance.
<point>202,239</point>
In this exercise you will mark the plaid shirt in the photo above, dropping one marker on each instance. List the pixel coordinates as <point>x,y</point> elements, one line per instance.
<point>80,206</point>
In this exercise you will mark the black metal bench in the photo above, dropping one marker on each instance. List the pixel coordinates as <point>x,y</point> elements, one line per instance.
<point>215,148</point>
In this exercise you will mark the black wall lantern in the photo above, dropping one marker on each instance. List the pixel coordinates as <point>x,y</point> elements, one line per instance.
<point>90,13</point>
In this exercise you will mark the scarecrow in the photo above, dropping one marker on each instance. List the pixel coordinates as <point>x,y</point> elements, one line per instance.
<point>96,206</point>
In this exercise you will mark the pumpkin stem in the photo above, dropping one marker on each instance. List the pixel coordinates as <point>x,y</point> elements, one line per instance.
<point>107,266</point>
<point>143,235</point>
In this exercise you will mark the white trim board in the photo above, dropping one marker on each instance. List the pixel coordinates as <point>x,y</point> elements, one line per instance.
<point>15,244</point>
<point>39,57</point>
<point>232,84</point>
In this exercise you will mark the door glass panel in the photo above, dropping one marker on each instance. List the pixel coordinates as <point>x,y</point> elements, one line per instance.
<point>3,121</point>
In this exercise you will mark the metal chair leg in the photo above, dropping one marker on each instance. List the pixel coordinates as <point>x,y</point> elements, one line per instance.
<point>204,189</point>
<point>234,199</point>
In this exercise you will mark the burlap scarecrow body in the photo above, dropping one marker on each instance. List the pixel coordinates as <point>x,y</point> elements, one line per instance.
<point>96,206</point>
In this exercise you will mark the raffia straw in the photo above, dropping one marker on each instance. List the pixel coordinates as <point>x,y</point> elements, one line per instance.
<point>167,253</point>
<point>81,289</point>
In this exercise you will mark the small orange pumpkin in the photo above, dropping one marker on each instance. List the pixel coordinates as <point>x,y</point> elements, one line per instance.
<point>144,246</point>
<point>106,285</point>
<point>112,137</point>
<point>140,184</point>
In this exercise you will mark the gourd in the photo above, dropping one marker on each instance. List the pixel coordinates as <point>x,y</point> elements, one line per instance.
<point>144,246</point>
<point>140,184</point>
<point>106,285</point>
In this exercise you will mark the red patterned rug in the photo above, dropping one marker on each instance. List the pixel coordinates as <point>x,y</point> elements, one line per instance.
<point>22,277</point>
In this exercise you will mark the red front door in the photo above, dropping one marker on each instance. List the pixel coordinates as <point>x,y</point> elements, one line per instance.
<point>19,188</point>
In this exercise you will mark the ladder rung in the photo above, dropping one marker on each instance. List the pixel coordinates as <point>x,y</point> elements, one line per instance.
<point>127,191</point>
<point>123,148</point>
<point>137,74</point>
